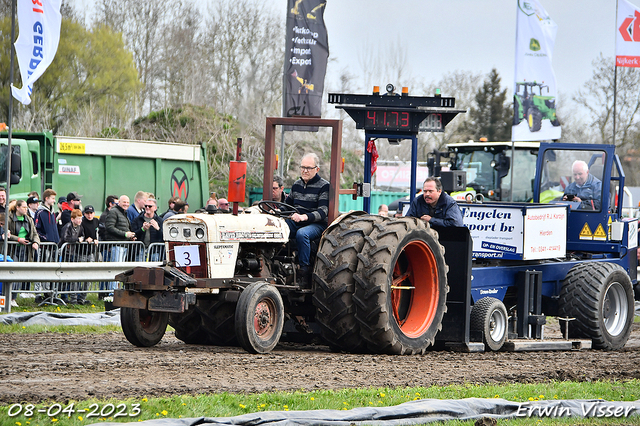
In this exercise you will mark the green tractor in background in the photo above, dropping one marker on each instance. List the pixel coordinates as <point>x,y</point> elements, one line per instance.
<point>533,106</point>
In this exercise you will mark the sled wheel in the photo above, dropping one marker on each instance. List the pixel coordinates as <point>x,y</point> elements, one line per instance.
<point>600,298</point>
<point>259,318</point>
<point>333,283</point>
<point>489,316</point>
<point>401,287</point>
<point>143,328</point>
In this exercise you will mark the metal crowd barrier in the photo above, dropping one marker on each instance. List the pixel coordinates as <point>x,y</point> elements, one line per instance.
<point>75,263</point>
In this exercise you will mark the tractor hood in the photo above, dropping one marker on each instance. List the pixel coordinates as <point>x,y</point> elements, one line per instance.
<point>249,228</point>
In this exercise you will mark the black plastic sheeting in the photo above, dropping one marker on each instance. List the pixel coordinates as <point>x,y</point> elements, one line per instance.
<point>421,412</point>
<point>53,318</point>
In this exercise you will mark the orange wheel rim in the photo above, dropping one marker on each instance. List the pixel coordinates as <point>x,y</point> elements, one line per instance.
<point>415,289</point>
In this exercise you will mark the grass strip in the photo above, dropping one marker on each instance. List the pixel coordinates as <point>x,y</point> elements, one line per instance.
<point>227,404</point>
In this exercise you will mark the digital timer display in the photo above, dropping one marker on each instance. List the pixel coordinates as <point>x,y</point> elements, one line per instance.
<point>387,119</point>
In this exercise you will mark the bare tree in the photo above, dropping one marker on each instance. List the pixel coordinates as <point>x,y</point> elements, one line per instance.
<point>243,53</point>
<point>597,98</point>
<point>180,70</point>
<point>462,85</point>
<point>142,24</point>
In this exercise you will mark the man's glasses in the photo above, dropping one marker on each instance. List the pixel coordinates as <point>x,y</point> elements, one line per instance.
<point>148,206</point>
<point>307,169</point>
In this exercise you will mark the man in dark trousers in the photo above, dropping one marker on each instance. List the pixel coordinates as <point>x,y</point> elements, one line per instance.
<point>435,207</point>
<point>46,219</point>
<point>47,228</point>
<point>310,192</point>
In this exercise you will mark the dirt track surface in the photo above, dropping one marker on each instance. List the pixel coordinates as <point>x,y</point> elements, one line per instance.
<point>58,367</point>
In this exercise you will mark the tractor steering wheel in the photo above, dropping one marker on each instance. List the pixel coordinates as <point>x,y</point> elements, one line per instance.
<point>277,208</point>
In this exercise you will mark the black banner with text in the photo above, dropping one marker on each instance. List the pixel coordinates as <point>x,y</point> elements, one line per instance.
<point>305,59</point>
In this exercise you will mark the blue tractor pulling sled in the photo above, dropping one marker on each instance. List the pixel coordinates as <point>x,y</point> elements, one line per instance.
<point>396,285</point>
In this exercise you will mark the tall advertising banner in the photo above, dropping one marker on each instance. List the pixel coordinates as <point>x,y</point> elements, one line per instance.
<point>628,35</point>
<point>305,59</point>
<point>534,95</point>
<point>39,26</point>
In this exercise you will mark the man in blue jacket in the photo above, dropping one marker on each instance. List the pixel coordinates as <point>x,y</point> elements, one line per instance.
<point>434,206</point>
<point>585,188</point>
<point>46,219</point>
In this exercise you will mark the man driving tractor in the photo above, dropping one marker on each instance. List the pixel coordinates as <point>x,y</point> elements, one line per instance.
<point>311,194</point>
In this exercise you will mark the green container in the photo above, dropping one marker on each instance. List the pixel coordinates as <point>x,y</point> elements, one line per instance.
<point>96,168</point>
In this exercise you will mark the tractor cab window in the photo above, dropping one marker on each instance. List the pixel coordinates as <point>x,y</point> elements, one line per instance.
<point>480,174</point>
<point>574,177</point>
<point>489,172</point>
<point>525,169</point>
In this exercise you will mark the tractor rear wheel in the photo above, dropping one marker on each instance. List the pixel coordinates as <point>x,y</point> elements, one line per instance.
<point>600,298</point>
<point>534,118</point>
<point>208,322</point>
<point>188,326</point>
<point>489,315</point>
<point>143,328</point>
<point>333,282</point>
<point>259,318</point>
<point>218,319</point>
<point>401,287</point>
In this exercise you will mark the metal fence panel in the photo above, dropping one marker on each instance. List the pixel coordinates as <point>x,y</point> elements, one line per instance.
<point>80,268</point>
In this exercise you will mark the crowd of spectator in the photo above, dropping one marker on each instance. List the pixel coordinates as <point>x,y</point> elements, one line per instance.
<point>37,221</point>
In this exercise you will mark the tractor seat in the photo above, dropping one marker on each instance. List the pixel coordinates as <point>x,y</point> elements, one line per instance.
<point>597,171</point>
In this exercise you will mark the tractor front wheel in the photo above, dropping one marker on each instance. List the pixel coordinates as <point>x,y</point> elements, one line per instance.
<point>516,112</point>
<point>401,287</point>
<point>259,318</point>
<point>143,328</point>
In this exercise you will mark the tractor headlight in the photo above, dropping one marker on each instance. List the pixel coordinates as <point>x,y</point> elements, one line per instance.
<point>200,233</point>
<point>173,232</point>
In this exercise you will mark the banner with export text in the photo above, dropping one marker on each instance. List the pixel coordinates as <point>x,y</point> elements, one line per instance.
<point>39,35</point>
<point>628,35</point>
<point>305,59</point>
<point>534,94</point>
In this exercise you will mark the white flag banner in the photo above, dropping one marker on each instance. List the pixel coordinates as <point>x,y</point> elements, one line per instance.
<point>39,35</point>
<point>534,95</point>
<point>628,35</point>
